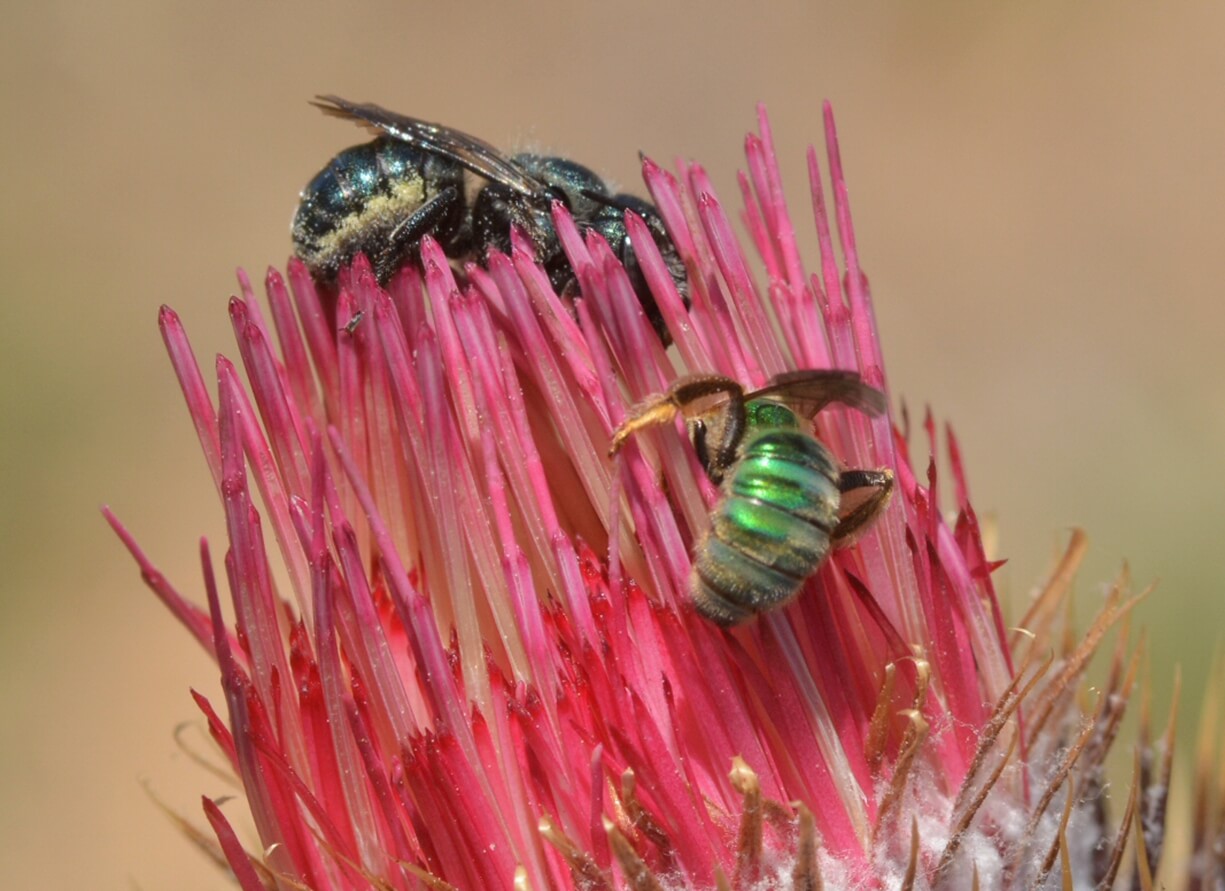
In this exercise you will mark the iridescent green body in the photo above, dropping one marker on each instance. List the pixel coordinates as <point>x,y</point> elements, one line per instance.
<point>772,527</point>
<point>782,507</point>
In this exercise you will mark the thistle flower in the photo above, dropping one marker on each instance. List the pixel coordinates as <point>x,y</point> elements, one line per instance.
<point>461,652</point>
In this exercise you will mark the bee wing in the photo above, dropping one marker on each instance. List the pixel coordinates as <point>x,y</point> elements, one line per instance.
<point>474,154</point>
<point>812,390</point>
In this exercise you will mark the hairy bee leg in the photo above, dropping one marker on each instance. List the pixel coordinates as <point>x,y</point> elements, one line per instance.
<point>410,230</point>
<point>863,514</point>
<point>662,408</point>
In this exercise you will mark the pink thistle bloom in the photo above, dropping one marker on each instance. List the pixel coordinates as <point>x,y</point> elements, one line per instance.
<point>457,647</point>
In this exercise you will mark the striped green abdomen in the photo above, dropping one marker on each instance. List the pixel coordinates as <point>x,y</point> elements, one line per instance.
<point>771,530</point>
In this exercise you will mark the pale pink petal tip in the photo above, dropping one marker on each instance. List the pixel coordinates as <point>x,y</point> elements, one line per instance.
<point>458,649</point>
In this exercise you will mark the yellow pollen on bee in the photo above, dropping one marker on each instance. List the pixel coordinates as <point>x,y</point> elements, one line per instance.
<point>380,212</point>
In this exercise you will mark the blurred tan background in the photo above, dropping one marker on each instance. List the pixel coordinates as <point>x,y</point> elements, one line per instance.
<point>1039,194</point>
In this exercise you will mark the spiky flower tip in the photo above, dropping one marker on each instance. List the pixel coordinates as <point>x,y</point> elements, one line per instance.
<point>460,650</point>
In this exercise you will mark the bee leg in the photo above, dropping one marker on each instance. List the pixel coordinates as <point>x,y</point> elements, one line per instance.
<point>408,232</point>
<point>663,407</point>
<point>566,285</point>
<point>858,517</point>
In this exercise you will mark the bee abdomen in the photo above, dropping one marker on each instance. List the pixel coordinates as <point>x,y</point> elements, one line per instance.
<point>770,536</point>
<point>771,530</point>
<point>728,585</point>
<point>356,201</point>
<point>805,489</point>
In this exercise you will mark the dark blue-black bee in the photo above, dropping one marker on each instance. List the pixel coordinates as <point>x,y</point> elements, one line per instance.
<point>382,197</point>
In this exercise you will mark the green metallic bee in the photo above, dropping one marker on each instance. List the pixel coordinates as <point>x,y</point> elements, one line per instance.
<point>782,506</point>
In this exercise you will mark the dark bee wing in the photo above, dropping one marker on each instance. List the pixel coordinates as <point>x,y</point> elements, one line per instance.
<point>475,154</point>
<point>812,390</point>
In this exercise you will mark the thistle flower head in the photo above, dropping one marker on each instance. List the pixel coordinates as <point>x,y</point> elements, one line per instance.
<point>455,638</point>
